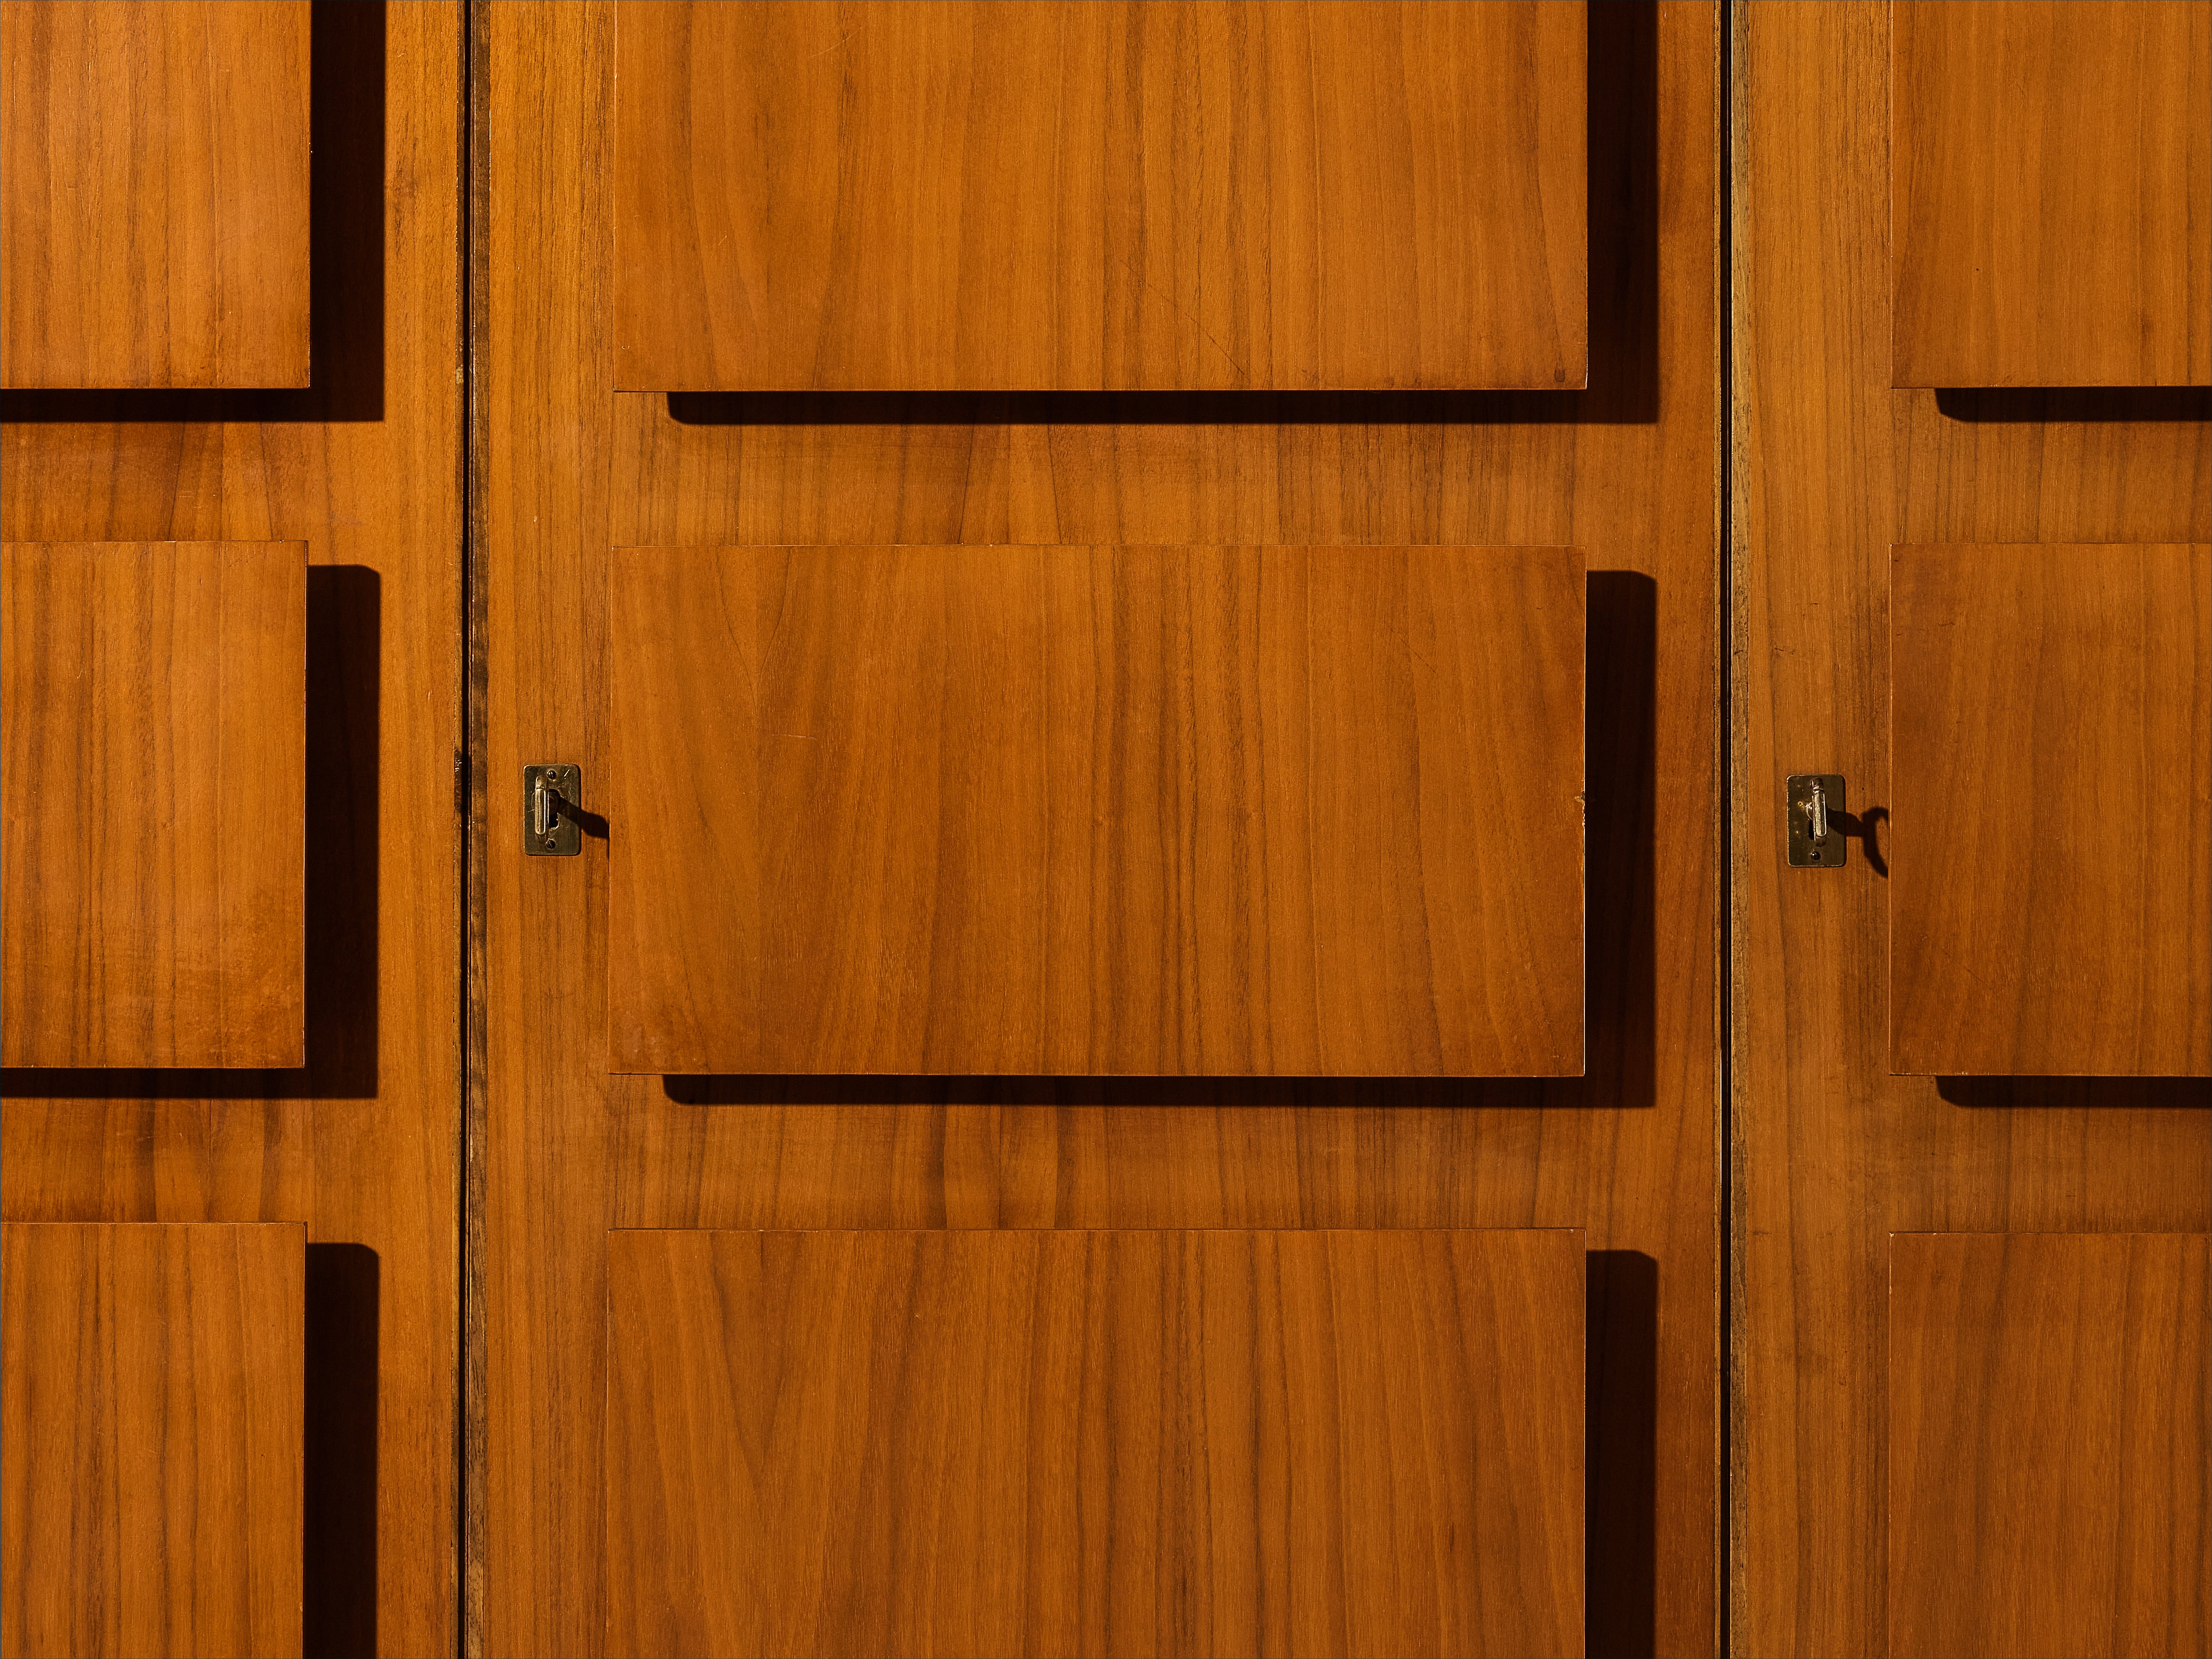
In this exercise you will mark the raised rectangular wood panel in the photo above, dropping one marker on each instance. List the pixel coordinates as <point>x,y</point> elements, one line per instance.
<point>1075,1441</point>
<point>153,1421</point>
<point>2050,911</point>
<point>1161,196</point>
<point>2051,1444</point>
<point>154,192</point>
<point>153,780</point>
<point>2050,192</point>
<point>1162,810</point>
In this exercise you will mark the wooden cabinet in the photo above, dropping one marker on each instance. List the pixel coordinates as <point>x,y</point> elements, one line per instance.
<point>154,190</point>
<point>2051,1444</point>
<point>2050,192</point>
<point>2051,710</point>
<point>1069,1442</point>
<point>150,1481</point>
<point>1167,195</point>
<point>1096,810</point>
<point>152,804</point>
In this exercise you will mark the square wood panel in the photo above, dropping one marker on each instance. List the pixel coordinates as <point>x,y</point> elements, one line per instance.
<point>1078,811</point>
<point>1068,1443</point>
<point>1043,195</point>
<point>2049,897</point>
<point>153,1415</point>
<point>154,192</point>
<point>153,797</point>
<point>2050,192</point>
<point>2050,1463</point>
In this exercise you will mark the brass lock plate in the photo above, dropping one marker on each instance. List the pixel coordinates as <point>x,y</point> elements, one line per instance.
<point>1815,802</point>
<point>551,797</point>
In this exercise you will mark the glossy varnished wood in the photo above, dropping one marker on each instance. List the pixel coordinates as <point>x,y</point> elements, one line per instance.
<point>151,1478</point>
<point>360,1142</point>
<point>154,192</point>
<point>1831,1153</point>
<point>1074,1443</point>
<point>1211,811</point>
<point>153,784</point>
<point>2050,192</point>
<point>1165,195</point>
<point>571,469</point>
<point>2050,709</point>
<point>2051,1444</point>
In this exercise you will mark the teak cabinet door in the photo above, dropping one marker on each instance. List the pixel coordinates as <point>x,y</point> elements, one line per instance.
<point>2050,192</point>
<point>153,789</point>
<point>1167,195</point>
<point>152,1410</point>
<point>1096,810</point>
<point>2051,905</point>
<point>153,159</point>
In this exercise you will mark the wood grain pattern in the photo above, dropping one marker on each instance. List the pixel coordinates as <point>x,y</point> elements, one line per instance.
<point>1124,810</point>
<point>1069,1443</point>
<point>571,469</point>
<point>2050,192</point>
<point>1165,195</point>
<point>153,1421</point>
<point>360,1144</point>
<point>2051,1455</point>
<point>2051,708</point>
<point>1831,1153</point>
<point>153,783</point>
<point>153,199</point>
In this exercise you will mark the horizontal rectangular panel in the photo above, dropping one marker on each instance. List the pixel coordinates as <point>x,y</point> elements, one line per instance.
<point>1067,810</point>
<point>153,801</point>
<point>153,225</point>
<point>2050,165</point>
<point>152,1419</point>
<point>1166,195</point>
<point>1067,1442</point>
<point>2049,898</point>
<point>2049,1462</point>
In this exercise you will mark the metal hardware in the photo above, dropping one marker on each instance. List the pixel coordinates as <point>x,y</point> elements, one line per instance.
<point>550,798</point>
<point>1815,802</point>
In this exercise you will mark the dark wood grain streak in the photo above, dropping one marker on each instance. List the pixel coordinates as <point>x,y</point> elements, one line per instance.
<point>361,1143</point>
<point>154,193</point>
<point>150,1475</point>
<point>1070,1442</point>
<point>937,194</point>
<point>2051,1444</point>
<point>1624,470</point>
<point>1832,466</point>
<point>1116,810</point>
<point>153,793</point>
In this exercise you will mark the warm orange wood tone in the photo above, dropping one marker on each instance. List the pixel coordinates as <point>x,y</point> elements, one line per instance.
<point>153,159</point>
<point>2050,192</point>
<point>153,780</point>
<point>1079,1443</point>
<point>570,470</point>
<point>2050,1451</point>
<point>1138,810</point>
<point>1831,1153</point>
<point>2050,709</point>
<point>1168,195</point>
<point>152,1419</point>
<point>361,1143</point>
